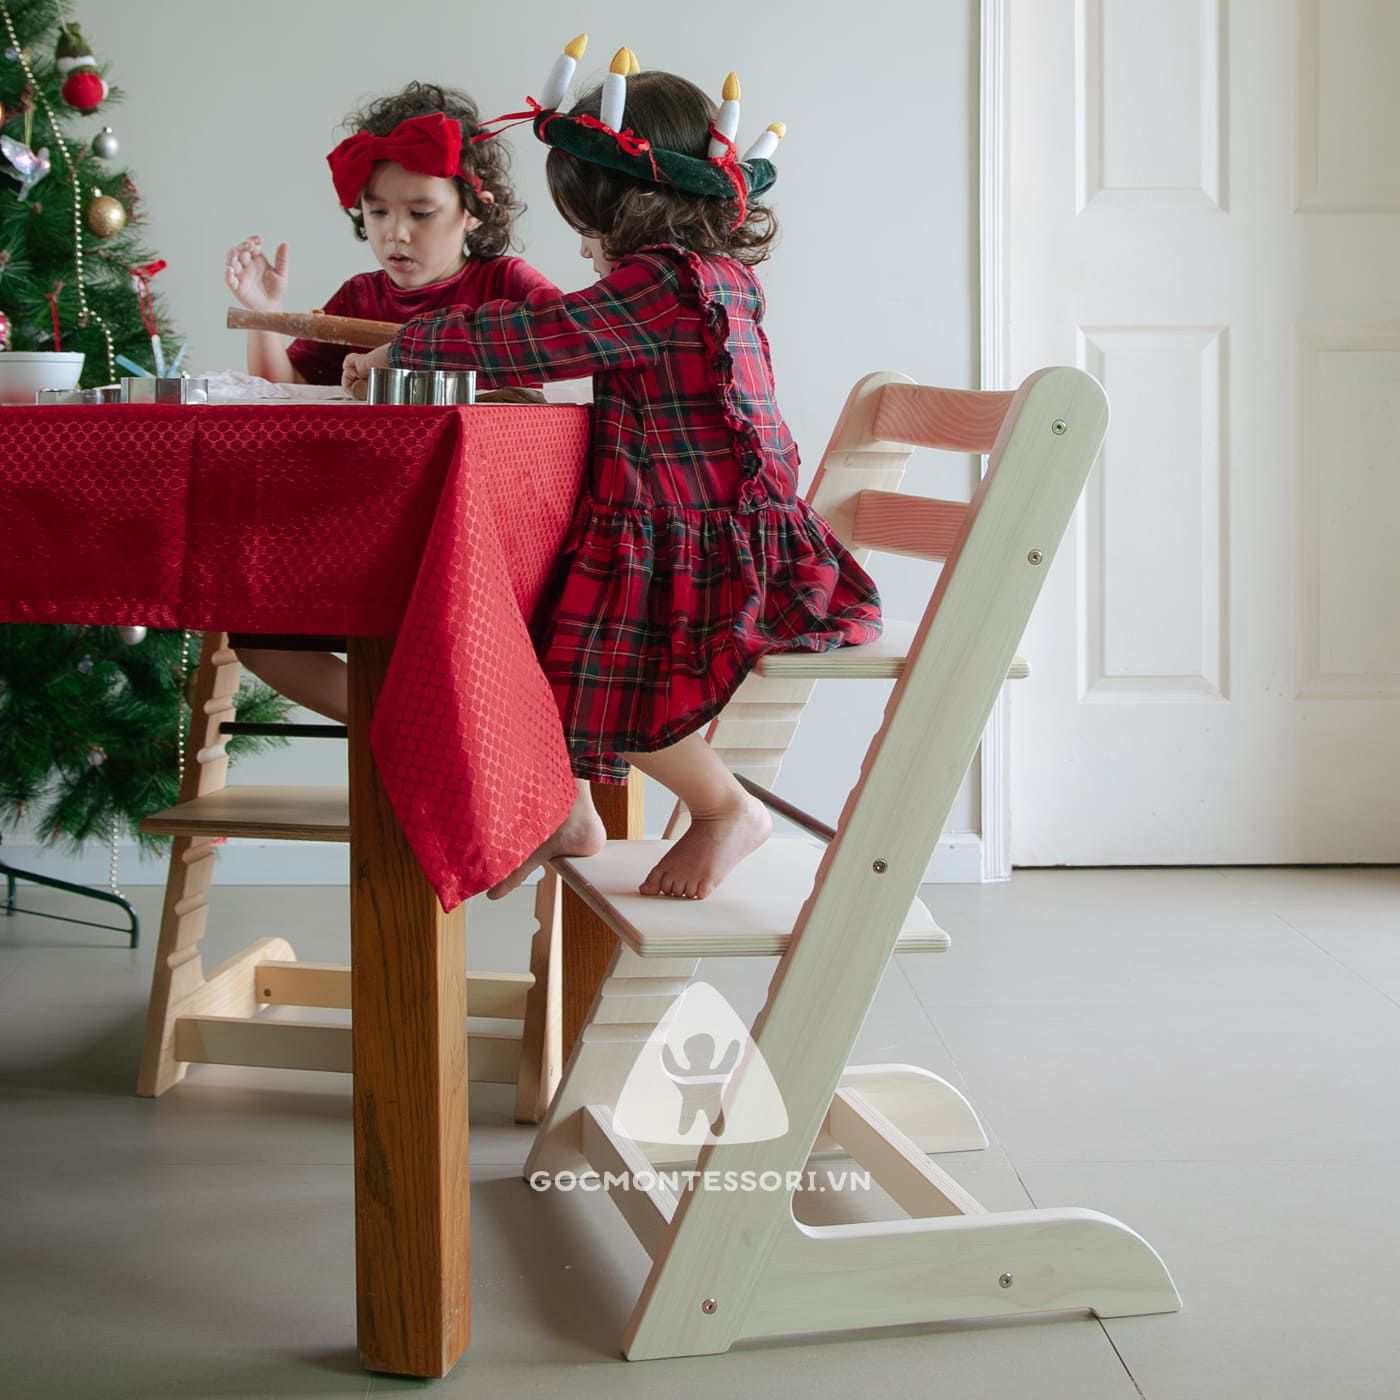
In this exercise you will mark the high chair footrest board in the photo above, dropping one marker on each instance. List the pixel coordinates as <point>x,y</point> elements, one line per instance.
<point>281,813</point>
<point>750,915</point>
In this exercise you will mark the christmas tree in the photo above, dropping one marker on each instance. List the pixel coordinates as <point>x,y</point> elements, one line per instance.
<point>91,718</point>
<point>74,273</point>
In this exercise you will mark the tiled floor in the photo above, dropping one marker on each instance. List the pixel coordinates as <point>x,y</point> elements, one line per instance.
<point>1209,1055</point>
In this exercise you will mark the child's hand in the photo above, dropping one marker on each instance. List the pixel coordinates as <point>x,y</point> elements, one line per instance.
<point>260,285</point>
<point>357,367</point>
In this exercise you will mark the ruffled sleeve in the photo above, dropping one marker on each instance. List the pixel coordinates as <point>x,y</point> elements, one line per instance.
<point>720,346</point>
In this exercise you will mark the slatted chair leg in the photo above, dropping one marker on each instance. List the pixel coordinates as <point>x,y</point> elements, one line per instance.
<point>178,974</point>
<point>179,971</point>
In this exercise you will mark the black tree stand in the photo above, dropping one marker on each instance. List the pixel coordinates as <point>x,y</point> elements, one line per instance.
<point>11,875</point>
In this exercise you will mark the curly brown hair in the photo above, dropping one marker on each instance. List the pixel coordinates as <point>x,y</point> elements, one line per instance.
<point>627,213</point>
<point>490,160</point>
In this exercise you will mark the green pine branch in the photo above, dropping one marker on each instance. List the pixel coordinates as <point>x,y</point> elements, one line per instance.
<point>91,729</point>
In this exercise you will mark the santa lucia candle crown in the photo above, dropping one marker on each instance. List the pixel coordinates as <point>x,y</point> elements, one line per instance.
<point>607,140</point>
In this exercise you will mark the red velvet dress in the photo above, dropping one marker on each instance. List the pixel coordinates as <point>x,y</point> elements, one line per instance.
<point>690,555</point>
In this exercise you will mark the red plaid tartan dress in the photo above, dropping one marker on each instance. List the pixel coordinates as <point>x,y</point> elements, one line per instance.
<point>690,554</point>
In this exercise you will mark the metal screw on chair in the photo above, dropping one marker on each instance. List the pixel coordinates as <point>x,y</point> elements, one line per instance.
<point>1006,1280</point>
<point>708,1306</point>
<point>1035,556</point>
<point>1059,427</point>
<point>880,866</point>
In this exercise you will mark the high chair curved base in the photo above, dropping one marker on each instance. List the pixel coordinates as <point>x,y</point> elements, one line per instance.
<point>951,1260</point>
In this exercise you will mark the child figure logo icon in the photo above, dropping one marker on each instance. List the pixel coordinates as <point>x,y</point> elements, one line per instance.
<point>700,1079</point>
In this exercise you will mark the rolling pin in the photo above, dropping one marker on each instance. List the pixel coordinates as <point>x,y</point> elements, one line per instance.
<point>349,330</point>
<point>314,325</point>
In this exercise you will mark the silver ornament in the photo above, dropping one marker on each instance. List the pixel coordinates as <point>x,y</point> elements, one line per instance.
<point>104,144</point>
<point>84,667</point>
<point>132,635</point>
<point>97,756</point>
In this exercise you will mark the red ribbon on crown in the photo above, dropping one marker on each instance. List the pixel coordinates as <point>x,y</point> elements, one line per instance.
<point>627,140</point>
<point>728,162</point>
<point>506,120</point>
<point>428,145</point>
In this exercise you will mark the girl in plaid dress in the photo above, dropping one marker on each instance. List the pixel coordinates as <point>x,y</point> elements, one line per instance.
<point>690,555</point>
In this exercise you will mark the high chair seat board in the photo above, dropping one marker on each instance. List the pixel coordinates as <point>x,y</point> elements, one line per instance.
<point>731,1263</point>
<point>320,813</point>
<point>882,659</point>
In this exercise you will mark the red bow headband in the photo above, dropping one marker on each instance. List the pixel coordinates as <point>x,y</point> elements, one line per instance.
<point>429,145</point>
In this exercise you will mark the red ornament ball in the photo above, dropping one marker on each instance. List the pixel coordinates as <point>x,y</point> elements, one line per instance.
<point>85,90</point>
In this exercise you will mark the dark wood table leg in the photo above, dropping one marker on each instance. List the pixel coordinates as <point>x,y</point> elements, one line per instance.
<point>409,990</point>
<point>588,942</point>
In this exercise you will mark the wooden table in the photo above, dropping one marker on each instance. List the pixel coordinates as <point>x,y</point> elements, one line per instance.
<point>153,511</point>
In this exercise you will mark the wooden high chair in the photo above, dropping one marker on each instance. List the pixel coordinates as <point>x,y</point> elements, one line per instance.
<point>734,1263</point>
<point>218,1017</point>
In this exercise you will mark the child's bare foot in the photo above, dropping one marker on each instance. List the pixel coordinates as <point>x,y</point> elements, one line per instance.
<point>712,846</point>
<point>581,834</point>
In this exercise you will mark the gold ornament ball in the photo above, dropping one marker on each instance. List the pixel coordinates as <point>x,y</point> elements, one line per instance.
<point>105,216</point>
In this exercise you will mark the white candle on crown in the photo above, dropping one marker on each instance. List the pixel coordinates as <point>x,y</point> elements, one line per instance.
<point>562,74</point>
<point>767,143</point>
<point>728,120</point>
<point>615,91</point>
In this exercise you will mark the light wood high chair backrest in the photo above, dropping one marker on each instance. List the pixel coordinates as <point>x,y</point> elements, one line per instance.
<point>731,1263</point>
<point>856,489</point>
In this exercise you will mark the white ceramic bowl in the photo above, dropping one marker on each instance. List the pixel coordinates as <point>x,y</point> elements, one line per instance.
<point>24,372</point>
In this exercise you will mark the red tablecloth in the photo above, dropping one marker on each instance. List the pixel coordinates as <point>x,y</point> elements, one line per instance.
<point>437,526</point>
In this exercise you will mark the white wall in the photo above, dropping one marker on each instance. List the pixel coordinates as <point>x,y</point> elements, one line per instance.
<point>230,110</point>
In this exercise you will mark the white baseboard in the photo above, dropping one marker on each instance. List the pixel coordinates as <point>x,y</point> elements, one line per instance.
<point>957,860</point>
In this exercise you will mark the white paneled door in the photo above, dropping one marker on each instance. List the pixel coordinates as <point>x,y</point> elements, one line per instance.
<point>1204,212</point>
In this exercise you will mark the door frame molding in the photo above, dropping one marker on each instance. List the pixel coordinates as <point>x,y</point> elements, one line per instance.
<point>994,299</point>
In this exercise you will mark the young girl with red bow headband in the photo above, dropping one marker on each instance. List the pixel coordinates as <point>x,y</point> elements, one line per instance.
<point>436,210</point>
